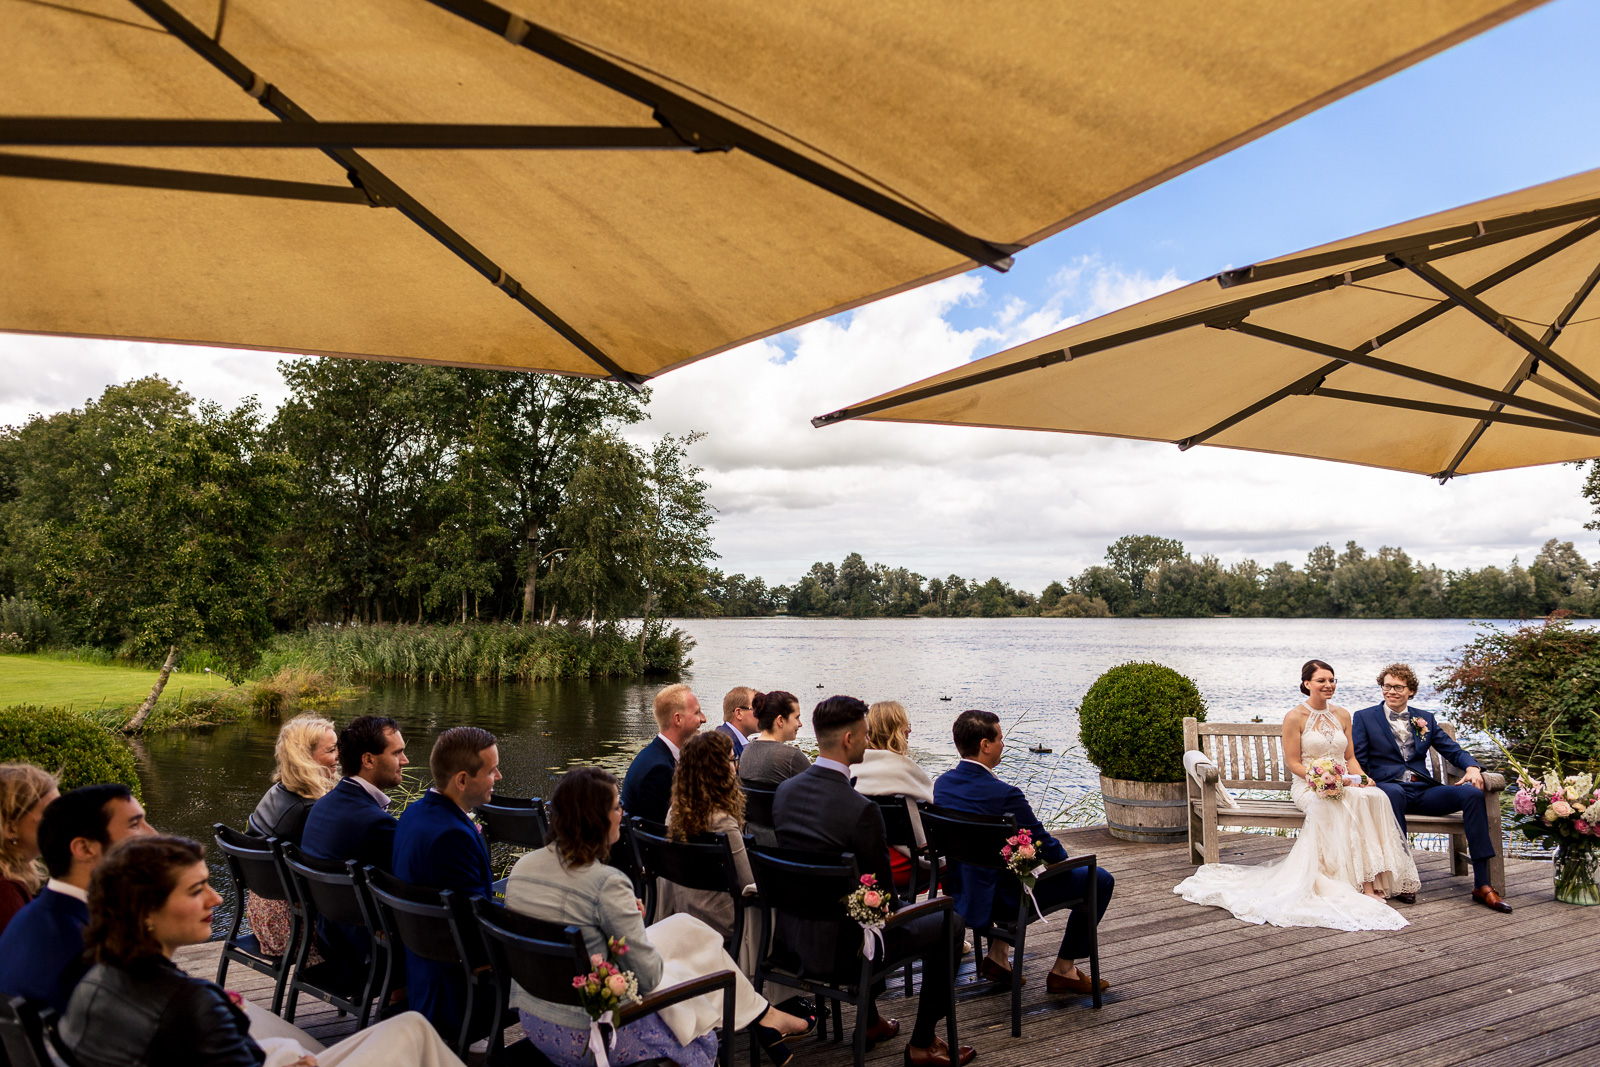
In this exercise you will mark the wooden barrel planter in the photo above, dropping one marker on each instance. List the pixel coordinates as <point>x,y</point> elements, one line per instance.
<point>1152,812</point>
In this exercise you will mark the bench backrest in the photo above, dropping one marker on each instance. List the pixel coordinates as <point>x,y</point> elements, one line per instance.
<point>1250,755</point>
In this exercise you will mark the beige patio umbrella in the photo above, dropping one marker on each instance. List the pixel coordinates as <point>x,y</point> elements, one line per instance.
<point>1461,342</point>
<point>606,187</point>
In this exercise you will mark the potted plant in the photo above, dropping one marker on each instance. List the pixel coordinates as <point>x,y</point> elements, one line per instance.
<point>1131,724</point>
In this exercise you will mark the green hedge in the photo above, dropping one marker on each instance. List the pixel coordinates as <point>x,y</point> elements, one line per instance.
<point>1131,721</point>
<point>75,749</point>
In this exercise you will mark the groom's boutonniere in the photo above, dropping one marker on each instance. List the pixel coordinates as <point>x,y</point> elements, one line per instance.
<point>1420,723</point>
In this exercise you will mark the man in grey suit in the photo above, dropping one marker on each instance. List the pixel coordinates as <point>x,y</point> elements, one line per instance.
<point>820,811</point>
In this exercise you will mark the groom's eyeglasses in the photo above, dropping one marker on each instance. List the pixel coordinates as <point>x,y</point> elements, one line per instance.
<point>1397,689</point>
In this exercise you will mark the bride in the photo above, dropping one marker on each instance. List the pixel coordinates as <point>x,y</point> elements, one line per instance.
<point>1349,856</point>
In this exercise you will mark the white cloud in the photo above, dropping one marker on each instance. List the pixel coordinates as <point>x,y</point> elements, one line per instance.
<point>1027,507</point>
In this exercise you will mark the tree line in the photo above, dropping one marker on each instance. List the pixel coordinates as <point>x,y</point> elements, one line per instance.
<point>1145,575</point>
<point>377,492</point>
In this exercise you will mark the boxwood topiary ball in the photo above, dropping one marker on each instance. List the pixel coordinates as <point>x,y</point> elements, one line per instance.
<point>75,749</point>
<point>1131,721</point>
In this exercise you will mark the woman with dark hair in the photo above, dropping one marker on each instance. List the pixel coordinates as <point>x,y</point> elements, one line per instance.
<point>773,758</point>
<point>569,882</point>
<point>706,799</point>
<point>1349,856</point>
<point>135,1007</point>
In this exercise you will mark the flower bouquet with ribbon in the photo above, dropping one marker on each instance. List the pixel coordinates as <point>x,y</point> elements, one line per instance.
<point>602,991</point>
<point>869,906</point>
<point>1022,860</point>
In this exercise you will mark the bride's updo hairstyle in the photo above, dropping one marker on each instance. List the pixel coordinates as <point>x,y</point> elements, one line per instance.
<point>770,707</point>
<point>1312,667</point>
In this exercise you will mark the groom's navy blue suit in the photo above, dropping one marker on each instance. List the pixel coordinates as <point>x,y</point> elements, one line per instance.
<point>1380,756</point>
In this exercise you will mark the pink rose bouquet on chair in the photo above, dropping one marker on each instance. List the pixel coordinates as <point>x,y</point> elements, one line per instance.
<point>871,907</point>
<point>603,990</point>
<point>1022,860</point>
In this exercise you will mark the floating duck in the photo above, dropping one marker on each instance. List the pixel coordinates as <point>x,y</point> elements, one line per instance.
<point>946,698</point>
<point>1258,719</point>
<point>1040,749</point>
<point>821,686</point>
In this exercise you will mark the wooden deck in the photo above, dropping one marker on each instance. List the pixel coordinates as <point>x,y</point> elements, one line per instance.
<point>1192,985</point>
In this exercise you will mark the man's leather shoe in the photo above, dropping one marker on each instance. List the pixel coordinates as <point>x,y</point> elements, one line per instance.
<point>938,1055</point>
<point>1056,983</point>
<point>883,1030</point>
<point>1001,976</point>
<point>1486,896</point>
<point>1405,898</point>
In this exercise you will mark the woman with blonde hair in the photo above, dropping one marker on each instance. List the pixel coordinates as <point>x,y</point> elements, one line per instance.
<point>885,771</point>
<point>308,761</point>
<point>25,791</point>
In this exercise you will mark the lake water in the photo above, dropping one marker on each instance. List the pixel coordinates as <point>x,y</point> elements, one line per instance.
<point>1032,672</point>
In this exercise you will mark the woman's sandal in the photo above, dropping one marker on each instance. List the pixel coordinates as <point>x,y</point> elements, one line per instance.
<point>772,1041</point>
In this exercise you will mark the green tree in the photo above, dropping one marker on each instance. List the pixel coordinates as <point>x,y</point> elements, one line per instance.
<point>1135,557</point>
<point>172,545</point>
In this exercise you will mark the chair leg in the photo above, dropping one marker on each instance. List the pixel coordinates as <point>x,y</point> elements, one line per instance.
<point>222,965</point>
<point>953,954</point>
<point>464,1042</point>
<point>1017,952</point>
<point>838,1020</point>
<point>863,999</point>
<point>1458,855</point>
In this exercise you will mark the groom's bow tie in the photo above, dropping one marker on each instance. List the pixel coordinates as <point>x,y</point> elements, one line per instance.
<point>1396,716</point>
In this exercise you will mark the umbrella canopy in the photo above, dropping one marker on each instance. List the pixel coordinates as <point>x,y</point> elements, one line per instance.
<point>1461,342</point>
<point>603,186</point>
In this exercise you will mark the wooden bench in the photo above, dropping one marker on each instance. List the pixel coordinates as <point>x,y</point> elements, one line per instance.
<point>1250,756</point>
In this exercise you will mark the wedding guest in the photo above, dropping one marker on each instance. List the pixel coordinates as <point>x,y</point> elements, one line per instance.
<point>647,788</point>
<point>135,1007</point>
<point>971,785</point>
<point>41,952</point>
<point>706,799</point>
<point>772,757</point>
<point>819,811</point>
<point>739,717</point>
<point>569,882</point>
<point>887,771</point>
<point>25,791</point>
<point>438,846</point>
<point>308,759</point>
<point>352,822</point>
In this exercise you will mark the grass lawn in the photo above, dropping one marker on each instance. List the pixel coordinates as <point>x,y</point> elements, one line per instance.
<point>87,686</point>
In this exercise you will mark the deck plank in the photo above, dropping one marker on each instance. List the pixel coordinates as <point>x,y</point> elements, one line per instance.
<point>1192,985</point>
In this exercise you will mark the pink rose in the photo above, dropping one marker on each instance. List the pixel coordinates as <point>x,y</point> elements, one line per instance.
<point>1561,808</point>
<point>579,982</point>
<point>596,960</point>
<point>617,984</point>
<point>1581,826</point>
<point>1523,803</point>
<point>868,879</point>
<point>872,898</point>
<point>1027,852</point>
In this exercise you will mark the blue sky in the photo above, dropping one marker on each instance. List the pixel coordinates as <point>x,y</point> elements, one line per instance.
<point>1508,109</point>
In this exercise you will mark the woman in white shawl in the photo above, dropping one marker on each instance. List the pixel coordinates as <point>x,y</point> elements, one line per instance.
<point>886,771</point>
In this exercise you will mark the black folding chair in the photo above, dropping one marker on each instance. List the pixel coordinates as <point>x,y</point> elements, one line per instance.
<point>704,863</point>
<point>22,1033</point>
<point>811,886</point>
<point>436,925</point>
<point>253,867</point>
<point>624,856</point>
<point>334,892</point>
<point>544,957</point>
<point>758,804</point>
<point>514,821</point>
<point>901,831</point>
<point>975,841</point>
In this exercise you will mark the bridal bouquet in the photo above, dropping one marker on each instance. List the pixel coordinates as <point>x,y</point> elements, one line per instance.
<point>871,907</point>
<point>1326,777</point>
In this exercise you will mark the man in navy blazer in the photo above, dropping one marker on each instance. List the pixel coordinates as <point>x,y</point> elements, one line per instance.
<point>971,785</point>
<point>438,846</point>
<point>41,951</point>
<point>352,822</point>
<point>1391,742</point>
<point>647,788</point>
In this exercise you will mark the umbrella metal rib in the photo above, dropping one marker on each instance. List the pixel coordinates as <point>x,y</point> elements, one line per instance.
<point>370,178</point>
<point>230,133</point>
<point>694,122</point>
<point>49,168</point>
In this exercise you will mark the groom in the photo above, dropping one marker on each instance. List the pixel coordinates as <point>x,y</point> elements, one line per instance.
<point>1392,741</point>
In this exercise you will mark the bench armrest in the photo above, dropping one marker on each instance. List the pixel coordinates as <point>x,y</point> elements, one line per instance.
<point>663,998</point>
<point>932,906</point>
<point>1493,782</point>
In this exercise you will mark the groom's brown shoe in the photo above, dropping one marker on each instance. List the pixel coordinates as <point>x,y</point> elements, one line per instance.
<point>1405,898</point>
<point>1486,896</point>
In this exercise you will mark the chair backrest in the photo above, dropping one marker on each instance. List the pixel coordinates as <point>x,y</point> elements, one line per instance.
<point>329,888</point>
<point>541,957</point>
<point>1250,755</point>
<point>758,803</point>
<point>967,837</point>
<point>624,856</point>
<point>22,1034</point>
<point>704,863</point>
<point>250,863</point>
<point>896,820</point>
<point>423,920</point>
<point>803,884</point>
<point>515,821</point>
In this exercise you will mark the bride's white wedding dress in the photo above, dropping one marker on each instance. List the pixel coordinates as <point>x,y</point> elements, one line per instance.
<point>1345,843</point>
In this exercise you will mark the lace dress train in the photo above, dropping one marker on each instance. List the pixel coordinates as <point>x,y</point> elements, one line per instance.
<point>1345,843</point>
